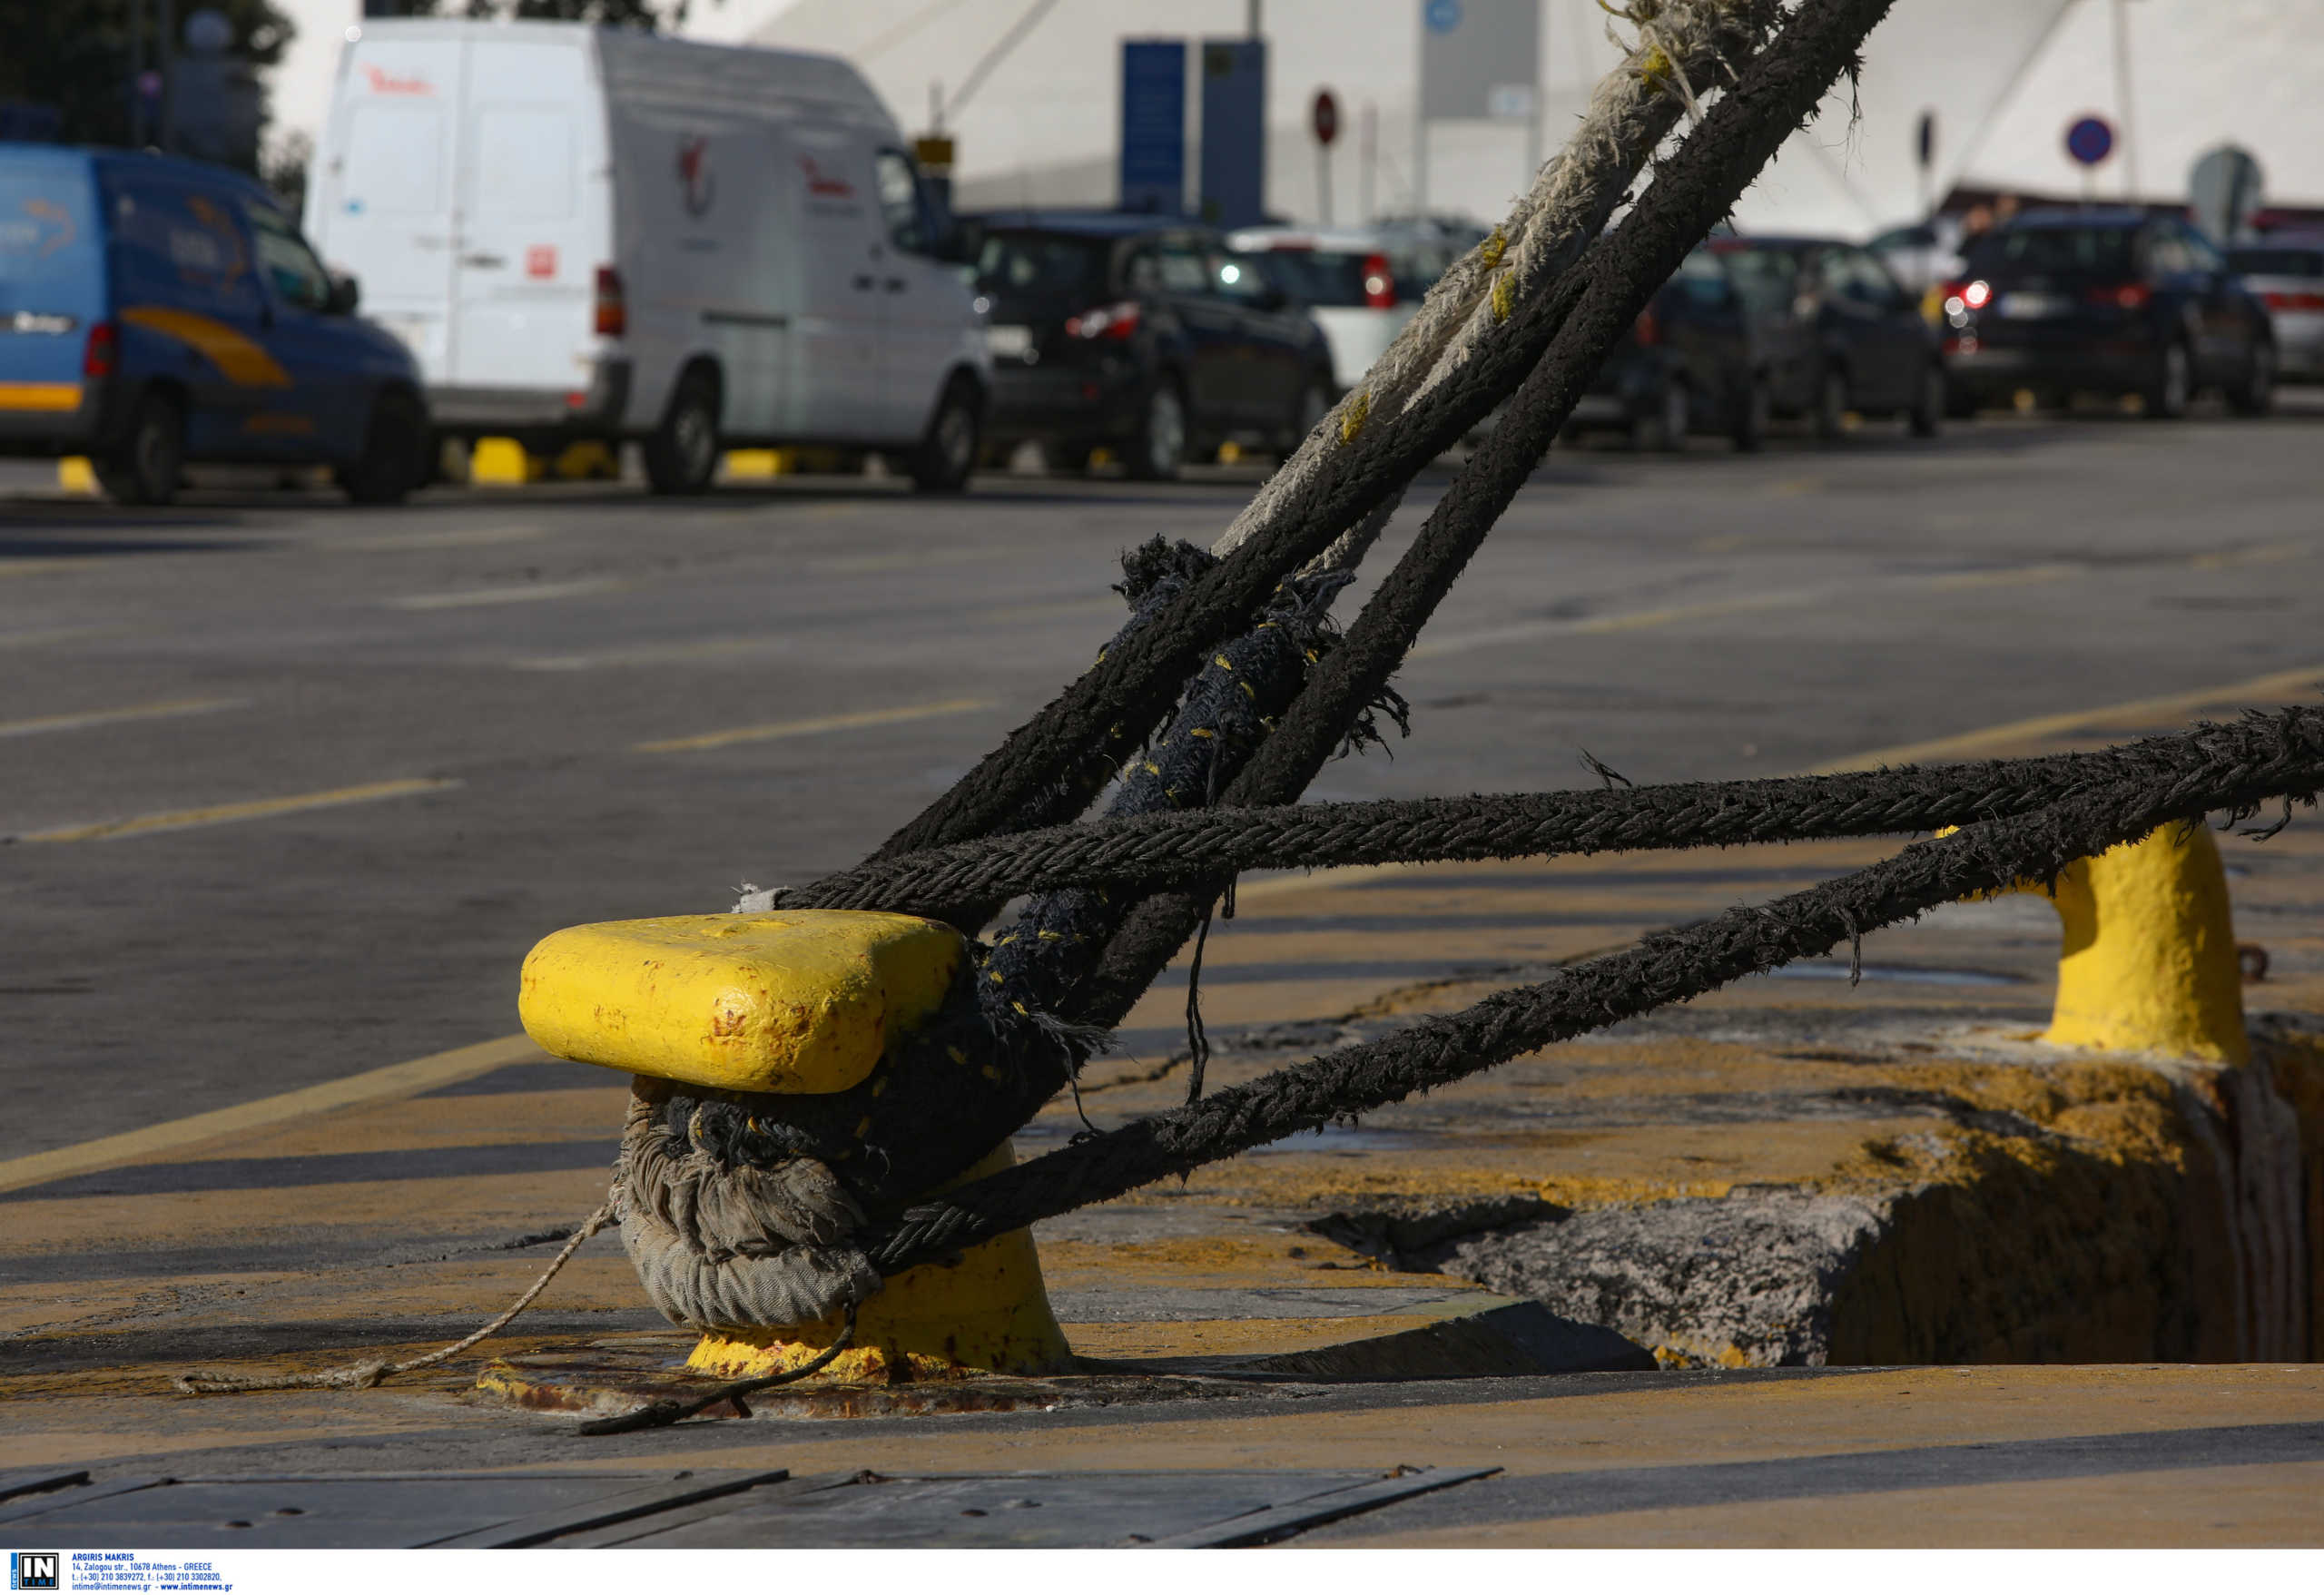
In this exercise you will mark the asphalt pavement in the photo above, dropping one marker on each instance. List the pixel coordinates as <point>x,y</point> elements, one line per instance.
<point>288,788</point>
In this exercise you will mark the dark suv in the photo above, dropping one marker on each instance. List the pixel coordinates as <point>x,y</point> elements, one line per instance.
<point>1140,335</point>
<point>2107,301</point>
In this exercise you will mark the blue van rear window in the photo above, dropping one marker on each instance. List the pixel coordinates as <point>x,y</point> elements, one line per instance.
<point>48,226</point>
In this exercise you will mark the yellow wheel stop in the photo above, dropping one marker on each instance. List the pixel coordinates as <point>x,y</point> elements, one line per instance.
<point>791,1003</point>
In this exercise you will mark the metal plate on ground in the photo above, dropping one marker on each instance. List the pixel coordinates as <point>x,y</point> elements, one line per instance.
<point>1029,1510</point>
<point>374,1510</point>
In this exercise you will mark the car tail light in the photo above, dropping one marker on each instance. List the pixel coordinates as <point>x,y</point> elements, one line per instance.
<point>1646,329</point>
<point>612,307</point>
<point>1379,283</point>
<point>98,354</point>
<point>2121,296</point>
<point>2281,300</point>
<point>1117,321</point>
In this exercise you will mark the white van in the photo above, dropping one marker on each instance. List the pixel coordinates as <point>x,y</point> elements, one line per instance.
<point>594,232</point>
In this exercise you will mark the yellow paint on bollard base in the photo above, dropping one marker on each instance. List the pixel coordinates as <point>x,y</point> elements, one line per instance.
<point>987,1313</point>
<point>2148,962</point>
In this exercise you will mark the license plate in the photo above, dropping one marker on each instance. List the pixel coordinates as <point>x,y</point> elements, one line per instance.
<point>2033,307</point>
<point>1008,342</point>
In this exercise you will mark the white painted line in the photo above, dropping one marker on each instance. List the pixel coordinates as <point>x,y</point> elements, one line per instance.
<point>228,813</point>
<point>164,710</point>
<point>457,537</point>
<point>736,647</point>
<point>788,728</point>
<point>527,593</point>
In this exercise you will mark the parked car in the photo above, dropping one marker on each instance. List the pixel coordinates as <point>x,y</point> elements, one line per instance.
<point>1923,255</point>
<point>2114,301</point>
<point>1361,284</point>
<point>1149,338</point>
<point>592,232</point>
<point>1696,360</point>
<point>156,312</point>
<point>1842,335</point>
<point>2286,269</point>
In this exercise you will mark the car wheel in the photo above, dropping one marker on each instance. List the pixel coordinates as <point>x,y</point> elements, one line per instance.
<point>1753,411</point>
<point>682,454</point>
<point>145,465</point>
<point>2172,384</point>
<point>949,452</point>
<point>1930,402</point>
<point>394,459</point>
<point>1664,428</point>
<point>1160,448</point>
<point>1832,406</point>
<point>2255,395</point>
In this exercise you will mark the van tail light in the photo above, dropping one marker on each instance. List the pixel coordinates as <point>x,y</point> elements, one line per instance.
<point>612,308</point>
<point>1379,283</point>
<point>1646,329</point>
<point>98,355</point>
<point>2281,300</point>
<point>1116,321</point>
<point>2121,296</point>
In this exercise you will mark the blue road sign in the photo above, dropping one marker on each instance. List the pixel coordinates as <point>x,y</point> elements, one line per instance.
<point>1234,132</point>
<point>1442,16</point>
<point>2090,140</point>
<point>1154,126</point>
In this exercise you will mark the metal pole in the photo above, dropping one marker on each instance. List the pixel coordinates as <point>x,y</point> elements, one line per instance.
<point>1251,19</point>
<point>1420,120</point>
<point>1367,162</point>
<point>136,75</point>
<point>165,55</point>
<point>1324,183</point>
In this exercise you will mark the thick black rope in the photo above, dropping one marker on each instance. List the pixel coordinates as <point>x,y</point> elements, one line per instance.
<point>1133,682</point>
<point>1590,307</point>
<point>2242,758</point>
<point>1671,966</point>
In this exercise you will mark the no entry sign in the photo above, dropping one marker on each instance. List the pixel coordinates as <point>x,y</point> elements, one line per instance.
<point>1324,117</point>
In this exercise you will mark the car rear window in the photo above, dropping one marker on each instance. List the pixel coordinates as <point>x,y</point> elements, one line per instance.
<point>48,232</point>
<point>2276,263</point>
<point>1327,277</point>
<point>1767,278</point>
<point>1044,264</point>
<point>2100,251</point>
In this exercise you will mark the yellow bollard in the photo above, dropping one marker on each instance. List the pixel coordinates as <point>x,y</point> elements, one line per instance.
<point>797,1003</point>
<point>2148,962</point>
<point>75,474</point>
<point>759,465</point>
<point>501,462</point>
<point>589,461</point>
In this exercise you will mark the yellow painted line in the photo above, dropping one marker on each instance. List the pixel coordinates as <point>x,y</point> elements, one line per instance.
<point>2282,684</point>
<point>2019,575</point>
<point>40,395</point>
<point>786,728</point>
<point>228,813</point>
<point>394,1080</point>
<point>529,592</point>
<point>2266,554</point>
<point>163,711</point>
<point>1607,625</point>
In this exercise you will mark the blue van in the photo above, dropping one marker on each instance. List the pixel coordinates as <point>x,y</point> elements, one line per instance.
<point>154,311</point>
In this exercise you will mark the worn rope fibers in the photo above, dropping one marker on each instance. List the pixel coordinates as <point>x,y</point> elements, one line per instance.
<point>2242,758</point>
<point>1347,466</point>
<point>1671,966</point>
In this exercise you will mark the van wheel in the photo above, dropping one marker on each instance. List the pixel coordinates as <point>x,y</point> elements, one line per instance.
<point>394,459</point>
<point>947,453</point>
<point>145,467</point>
<point>1160,448</point>
<point>682,453</point>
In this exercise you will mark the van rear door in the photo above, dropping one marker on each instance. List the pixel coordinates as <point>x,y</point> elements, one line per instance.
<point>51,285</point>
<point>841,249</point>
<point>385,196</point>
<point>526,260</point>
